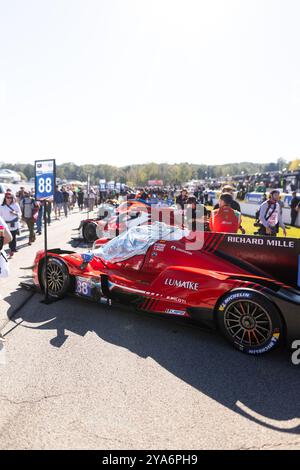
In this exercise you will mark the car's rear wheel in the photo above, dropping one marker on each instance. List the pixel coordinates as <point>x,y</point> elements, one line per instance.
<point>249,321</point>
<point>58,277</point>
<point>89,232</point>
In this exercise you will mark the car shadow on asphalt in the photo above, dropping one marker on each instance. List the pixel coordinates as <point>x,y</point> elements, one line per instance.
<point>263,389</point>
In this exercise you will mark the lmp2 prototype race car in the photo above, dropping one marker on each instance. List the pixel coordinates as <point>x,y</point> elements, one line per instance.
<point>155,268</point>
<point>112,219</point>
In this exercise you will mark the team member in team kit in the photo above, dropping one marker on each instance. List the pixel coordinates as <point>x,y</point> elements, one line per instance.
<point>225,219</point>
<point>270,215</point>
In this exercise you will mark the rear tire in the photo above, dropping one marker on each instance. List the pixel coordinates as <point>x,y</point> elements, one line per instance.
<point>89,232</point>
<point>59,280</point>
<point>249,321</point>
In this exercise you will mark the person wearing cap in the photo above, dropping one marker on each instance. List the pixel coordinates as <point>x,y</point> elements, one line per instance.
<point>270,215</point>
<point>11,213</point>
<point>225,219</point>
<point>20,194</point>
<point>234,204</point>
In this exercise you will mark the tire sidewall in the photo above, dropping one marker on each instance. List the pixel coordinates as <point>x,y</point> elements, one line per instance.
<point>277,325</point>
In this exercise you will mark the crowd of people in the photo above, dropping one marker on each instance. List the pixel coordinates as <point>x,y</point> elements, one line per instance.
<point>226,214</point>
<point>23,209</point>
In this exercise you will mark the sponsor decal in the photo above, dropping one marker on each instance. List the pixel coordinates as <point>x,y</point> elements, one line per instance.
<point>254,197</point>
<point>281,243</point>
<point>266,348</point>
<point>175,312</point>
<point>159,247</point>
<point>233,297</point>
<point>173,247</point>
<point>191,285</point>
<point>245,240</point>
<point>178,300</point>
<point>261,241</point>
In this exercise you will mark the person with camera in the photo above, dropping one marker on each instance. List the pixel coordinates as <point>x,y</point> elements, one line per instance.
<point>270,216</point>
<point>11,213</point>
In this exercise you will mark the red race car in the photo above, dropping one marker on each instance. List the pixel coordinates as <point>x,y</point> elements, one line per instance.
<point>157,269</point>
<point>112,221</point>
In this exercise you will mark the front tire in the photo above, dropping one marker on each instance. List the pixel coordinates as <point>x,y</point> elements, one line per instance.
<point>58,278</point>
<point>249,321</point>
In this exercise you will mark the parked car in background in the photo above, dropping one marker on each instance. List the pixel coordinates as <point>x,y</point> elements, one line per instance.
<point>9,176</point>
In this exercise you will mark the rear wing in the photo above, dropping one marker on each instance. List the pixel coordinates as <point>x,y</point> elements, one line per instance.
<point>277,257</point>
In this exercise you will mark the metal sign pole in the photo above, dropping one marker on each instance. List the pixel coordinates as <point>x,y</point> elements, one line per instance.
<point>45,181</point>
<point>88,194</point>
<point>45,205</point>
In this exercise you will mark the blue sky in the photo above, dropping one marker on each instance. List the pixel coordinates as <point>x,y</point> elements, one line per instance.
<point>132,81</point>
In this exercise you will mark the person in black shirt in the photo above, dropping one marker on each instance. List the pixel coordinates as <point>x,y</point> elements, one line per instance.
<point>80,195</point>
<point>182,199</point>
<point>65,194</point>
<point>197,213</point>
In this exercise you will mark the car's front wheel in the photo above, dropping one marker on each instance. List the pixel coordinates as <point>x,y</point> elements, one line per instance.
<point>249,321</point>
<point>58,277</point>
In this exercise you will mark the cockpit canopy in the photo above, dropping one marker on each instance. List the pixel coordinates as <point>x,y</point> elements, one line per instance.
<point>137,240</point>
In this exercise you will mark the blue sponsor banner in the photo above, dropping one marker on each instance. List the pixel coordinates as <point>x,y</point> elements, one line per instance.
<point>44,179</point>
<point>256,198</point>
<point>160,202</point>
<point>287,200</point>
<point>153,200</point>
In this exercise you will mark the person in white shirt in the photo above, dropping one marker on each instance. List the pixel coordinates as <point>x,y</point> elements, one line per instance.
<point>270,215</point>
<point>11,213</point>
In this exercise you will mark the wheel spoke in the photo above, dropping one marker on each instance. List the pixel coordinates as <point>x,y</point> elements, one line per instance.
<point>238,311</point>
<point>234,315</point>
<point>241,329</point>
<point>242,308</point>
<point>255,308</point>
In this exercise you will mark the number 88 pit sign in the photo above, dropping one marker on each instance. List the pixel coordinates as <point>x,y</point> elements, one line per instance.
<point>44,179</point>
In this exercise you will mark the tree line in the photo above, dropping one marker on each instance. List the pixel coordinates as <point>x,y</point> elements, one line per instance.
<point>138,175</point>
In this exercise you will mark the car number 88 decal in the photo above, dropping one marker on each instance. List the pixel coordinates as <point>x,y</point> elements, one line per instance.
<point>83,287</point>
